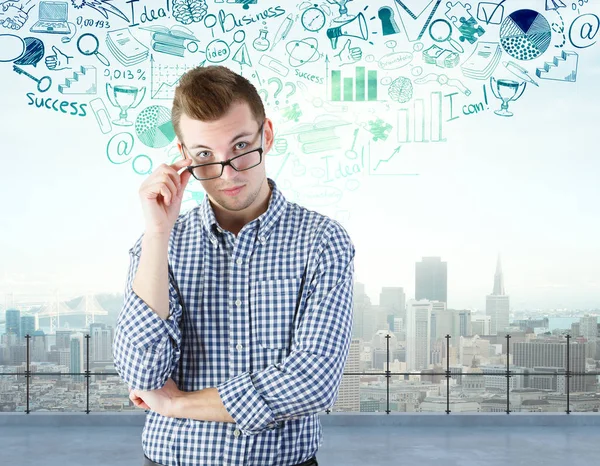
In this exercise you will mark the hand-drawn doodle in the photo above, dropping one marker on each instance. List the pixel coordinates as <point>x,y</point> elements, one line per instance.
<point>490,12</point>
<point>507,91</point>
<point>189,11</point>
<point>562,68</point>
<point>460,14</point>
<point>58,61</point>
<point>525,34</point>
<point>104,7</point>
<point>124,98</point>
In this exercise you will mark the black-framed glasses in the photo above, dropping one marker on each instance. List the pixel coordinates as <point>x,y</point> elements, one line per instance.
<point>245,161</point>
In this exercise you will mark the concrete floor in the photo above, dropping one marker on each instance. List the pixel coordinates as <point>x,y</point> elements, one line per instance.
<point>118,445</point>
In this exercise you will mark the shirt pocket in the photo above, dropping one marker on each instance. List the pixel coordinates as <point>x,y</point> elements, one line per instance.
<point>274,304</point>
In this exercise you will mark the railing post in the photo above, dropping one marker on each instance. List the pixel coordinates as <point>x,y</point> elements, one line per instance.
<point>27,371</point>
<point>447,373</point>
<point>568,373</point>
<point>387,372</point>
<point>507,373</point>
<point>87,373</point>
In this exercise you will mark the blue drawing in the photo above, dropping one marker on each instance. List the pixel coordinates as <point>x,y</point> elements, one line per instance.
<point>554,4</point>
<point>58,61</point>
<point>82,82</point>
<point>313,19</point>
<point>11,47</point>
<point>34,52</point>
<point>124,98</point>
<point>101,113</point>
<point>13,16</point>
<point>104,7</point>
<point>52,18</point>
<point>302,51</point>
<point>441,31</point>
<point>355,27</point>
<point>464,21</point>
<point>490,12</point>
<point>506,90</point>
<point>563,68</point>
<point>88,44</point>
<point>388,25</point>
<point>284,30</point>
<point>416,16</point>
<point>190,11</point>
<point>126,48</point>
<point>43,84</point>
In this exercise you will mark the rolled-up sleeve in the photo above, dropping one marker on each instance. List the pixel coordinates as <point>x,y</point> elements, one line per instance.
<point>146,348</point>
<point>306,382</point>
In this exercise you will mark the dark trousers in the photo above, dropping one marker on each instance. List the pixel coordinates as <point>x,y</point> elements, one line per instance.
<point>309,462</point>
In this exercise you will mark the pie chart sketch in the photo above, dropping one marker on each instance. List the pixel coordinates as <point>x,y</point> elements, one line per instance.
<point>525,34</point>
<point>153,126</point>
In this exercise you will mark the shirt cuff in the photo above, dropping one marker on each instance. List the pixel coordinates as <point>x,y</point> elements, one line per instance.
<point>245,405</point>
<point>144,328</point>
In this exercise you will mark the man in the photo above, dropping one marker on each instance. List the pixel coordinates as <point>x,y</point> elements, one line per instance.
<point>267,286</point>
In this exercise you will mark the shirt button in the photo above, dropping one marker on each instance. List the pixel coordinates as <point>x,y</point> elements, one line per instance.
<point>238,302</point>
<point>236,432</point>
<point>239,261</point>
<point>239,347</point>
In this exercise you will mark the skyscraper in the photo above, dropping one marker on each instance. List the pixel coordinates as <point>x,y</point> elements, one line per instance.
<point>431,279</point>
<point>497,304</point>
<point>13,321</point>
<point>418,334</point>
<point>28,325</point>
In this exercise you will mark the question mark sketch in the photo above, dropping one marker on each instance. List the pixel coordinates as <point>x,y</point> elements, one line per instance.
<point>279,88</point>
<point>292,91</point>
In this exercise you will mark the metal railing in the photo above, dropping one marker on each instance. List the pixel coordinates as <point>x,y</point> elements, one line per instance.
<point>568,374</point>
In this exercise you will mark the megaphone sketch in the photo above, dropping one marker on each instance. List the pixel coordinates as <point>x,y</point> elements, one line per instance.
<point>356,27</point>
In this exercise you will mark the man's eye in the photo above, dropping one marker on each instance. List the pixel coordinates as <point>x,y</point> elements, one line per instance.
<point>243,145</point>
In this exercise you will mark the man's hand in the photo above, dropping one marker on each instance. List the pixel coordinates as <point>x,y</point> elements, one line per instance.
<point>162,400</point>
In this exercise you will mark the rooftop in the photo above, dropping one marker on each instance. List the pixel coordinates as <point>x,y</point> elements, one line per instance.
<point>374,439</point>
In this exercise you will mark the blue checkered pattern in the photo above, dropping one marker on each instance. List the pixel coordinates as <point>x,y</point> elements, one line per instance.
<point>274,372</point>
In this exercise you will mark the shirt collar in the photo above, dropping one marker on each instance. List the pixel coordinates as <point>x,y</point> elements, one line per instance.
<point>265,221</point>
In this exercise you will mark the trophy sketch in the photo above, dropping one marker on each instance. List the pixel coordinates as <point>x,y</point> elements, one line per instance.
<point>506,90</point>
<point>124,97</point>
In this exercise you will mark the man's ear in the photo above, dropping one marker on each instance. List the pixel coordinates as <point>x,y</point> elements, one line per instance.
<point>269,135</point>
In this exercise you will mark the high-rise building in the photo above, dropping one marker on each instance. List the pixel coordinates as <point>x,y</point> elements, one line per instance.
<point>497,304</point>
<point>480,325</point>
<point>362,304</point>
<point>28,325</point>
<point>431,279</point>
<point>349,392</point>
<point>101,339</point>
<point>63,339</point>
<point>13,322</point>
<point>453,322</point>
<point>77,362</point>
<point>418,334</point>
<point>394,300</point>
<point>588,329</point>
<point>551,354</point>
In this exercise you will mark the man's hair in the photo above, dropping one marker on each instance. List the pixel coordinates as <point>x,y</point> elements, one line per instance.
<point>206,94</point>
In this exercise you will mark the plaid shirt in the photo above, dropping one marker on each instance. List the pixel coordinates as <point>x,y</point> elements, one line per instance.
<point>274,371</point>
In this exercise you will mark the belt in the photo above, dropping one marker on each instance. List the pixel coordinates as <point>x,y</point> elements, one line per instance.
<point>309,462</point>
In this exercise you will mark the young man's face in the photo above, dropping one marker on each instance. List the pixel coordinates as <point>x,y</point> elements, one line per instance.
<point>235,133</point>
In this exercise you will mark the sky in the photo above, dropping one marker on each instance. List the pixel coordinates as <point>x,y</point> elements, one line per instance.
<point>524,187</point>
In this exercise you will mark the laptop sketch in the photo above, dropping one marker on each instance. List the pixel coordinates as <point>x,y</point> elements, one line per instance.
<point>52,18</point>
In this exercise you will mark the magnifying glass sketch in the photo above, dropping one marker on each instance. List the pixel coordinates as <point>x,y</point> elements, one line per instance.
<point>440,30</point>
<point>88,44</point>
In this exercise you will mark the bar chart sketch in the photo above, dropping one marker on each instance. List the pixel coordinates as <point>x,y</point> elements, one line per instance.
<point>362,87</point>
<point>416,125</point>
